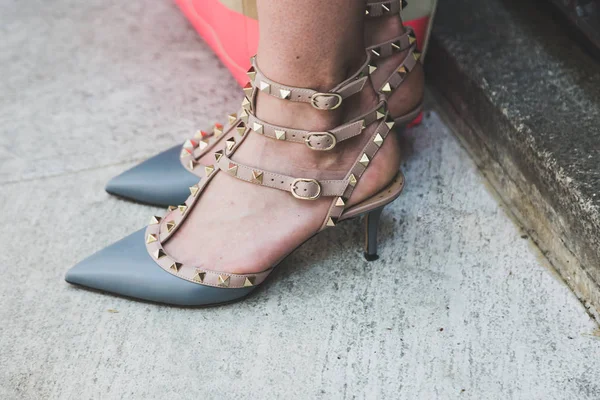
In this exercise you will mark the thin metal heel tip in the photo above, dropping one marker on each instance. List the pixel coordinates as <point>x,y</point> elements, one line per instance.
<point>371,257</point>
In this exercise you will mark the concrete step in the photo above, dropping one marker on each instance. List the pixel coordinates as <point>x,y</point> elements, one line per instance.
<point>525,99</point>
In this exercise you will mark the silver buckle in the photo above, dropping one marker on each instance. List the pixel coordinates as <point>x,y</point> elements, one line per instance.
<point>296,195</point>
<point>313,100</point>
<point>331,135</point>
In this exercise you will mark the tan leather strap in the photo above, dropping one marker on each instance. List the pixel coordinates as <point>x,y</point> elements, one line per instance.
<point>320,141</point>
<point>379,8</point>
<point>394,45</point>
<point>360,166</point>
<point>301,188</point>
<point>398,76</point>
<point>320,100</point>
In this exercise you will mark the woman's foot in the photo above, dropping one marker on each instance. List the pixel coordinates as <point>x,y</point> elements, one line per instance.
<point>410,94</point>
<point>263,225</point>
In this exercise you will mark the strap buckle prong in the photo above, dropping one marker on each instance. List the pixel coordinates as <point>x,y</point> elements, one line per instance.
<point>315,104</point>
<point>328,134</point>
<point>296,195</point>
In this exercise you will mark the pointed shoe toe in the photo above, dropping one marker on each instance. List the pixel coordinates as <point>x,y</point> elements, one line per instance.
<point>161,180</point>
<point>125,268</point>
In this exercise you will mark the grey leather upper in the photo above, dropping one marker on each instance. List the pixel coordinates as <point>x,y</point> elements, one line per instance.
<point>126,268</point>
<point>160,180</point>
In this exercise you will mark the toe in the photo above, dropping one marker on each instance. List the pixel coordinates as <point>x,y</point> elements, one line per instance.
<point>160,180</point>
<point>125,268</point>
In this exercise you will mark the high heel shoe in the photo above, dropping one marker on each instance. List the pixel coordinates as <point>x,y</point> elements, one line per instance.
<point>139,266</point>
<point>164,179</point>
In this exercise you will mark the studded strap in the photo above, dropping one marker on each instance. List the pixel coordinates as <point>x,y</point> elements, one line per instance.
<point>398,76</point>
<point>321,141</point>
<point>160,230</point>
<point>394,45</point>
<point>301,188</point>
<point>322,101</point>
<point>379,8</point>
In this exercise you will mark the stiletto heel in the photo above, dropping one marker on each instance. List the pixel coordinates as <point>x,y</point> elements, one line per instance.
<point>371,226</point>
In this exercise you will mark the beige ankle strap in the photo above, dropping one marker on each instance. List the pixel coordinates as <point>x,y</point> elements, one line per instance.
<point>320,141</point>
<point>320,100</point>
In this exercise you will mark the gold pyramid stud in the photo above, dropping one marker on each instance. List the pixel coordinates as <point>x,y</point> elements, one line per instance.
<point>340,202</point>
<point>203,144</point>
<point>248,89</point>
<point>395,46</point>
<point>265,87</point>
<point>192,164</point>
<point>258,128</point>
<point>330,222</point>
<point>257,177</point>
<point>194,190</point>
<point>251,73</point>
<point>402,71</point>
<point>175,266</point>
<point>158,254</point>
<point>233,168</point>
<point>218,155</point>
<point>416,55</point>
<point>386,88</point>
<point>380,113</point>
<point>199,277</point>
<point>171,208</point>
<point>284,94</point>
<point>185,153</point>
<point>170,226</point>
<point>364,160</point>
<point>224,280</point>
<point>209,169</point>
<point>376,51</point>
<point>151,238</point>
<point>218,130</point>
<point>372,68</point>
<point>367,11</point>
<point>190,144</point>
<point>385,7</point>
<point>241,129</point>
<point>232,118</point>
<point>411,39</point>
<point>364,125</point>
<point>280,135</point>
<point>378,140</point>
<point>390,122</point>
<point>230,143</point>
<point>182,209</point>
<point>243,116</point>
<point>201,134</point>
<point>246,103</point>
<point>352,180</point>
<point>249,281</point>
<point>155,220</point>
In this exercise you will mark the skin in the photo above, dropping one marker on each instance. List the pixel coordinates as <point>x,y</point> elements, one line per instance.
<point>308,43</point>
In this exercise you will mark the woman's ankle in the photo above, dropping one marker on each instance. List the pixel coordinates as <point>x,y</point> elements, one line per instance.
<point>320,76</point>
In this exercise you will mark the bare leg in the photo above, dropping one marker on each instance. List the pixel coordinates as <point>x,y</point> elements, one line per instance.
<point>245,228</point>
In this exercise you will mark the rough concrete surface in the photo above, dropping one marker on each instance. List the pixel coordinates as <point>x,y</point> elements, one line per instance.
<point>459,306</point>
<point>526,99</point>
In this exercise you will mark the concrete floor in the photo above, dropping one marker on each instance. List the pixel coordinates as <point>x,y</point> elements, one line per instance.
<point>460,306</point>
